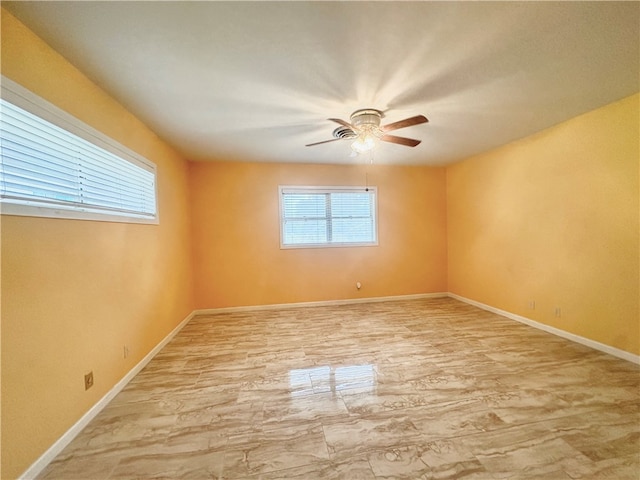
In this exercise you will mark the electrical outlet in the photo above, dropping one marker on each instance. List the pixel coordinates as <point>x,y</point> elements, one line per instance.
<point>88,380</point>
<point>532,304</point>
<point>125,351</point>
<point>558,312</point>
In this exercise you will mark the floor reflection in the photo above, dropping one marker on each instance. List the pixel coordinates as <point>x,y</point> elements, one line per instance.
<point>333,379</point>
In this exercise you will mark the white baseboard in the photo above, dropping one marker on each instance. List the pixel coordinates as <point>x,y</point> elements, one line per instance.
<point>616,352</point>
<point>324,303</point>
<point>46,458</point>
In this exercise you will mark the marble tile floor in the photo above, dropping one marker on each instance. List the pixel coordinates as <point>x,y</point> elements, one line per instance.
<point>413,389</point>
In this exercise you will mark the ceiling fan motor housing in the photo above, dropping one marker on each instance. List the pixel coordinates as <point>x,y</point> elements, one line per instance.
<point>366,116</point>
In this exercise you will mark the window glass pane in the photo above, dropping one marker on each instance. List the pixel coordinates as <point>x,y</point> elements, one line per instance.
<point>358,230</point>
<point>305,205</point>
<point>305,231</point>
<point>351,204</point>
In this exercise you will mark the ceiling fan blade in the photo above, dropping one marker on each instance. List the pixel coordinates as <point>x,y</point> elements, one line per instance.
<point>343,123</point>
<point>325,141</point>
<point>407,122</point>
<point>408,142</point>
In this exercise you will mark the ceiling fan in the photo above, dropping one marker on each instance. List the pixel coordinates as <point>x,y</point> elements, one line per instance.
<point>366,130</point>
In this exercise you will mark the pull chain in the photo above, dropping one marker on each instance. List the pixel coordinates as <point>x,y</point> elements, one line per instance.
<point>366,171</point>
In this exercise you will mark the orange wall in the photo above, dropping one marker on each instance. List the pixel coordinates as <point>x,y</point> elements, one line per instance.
<point>235,233</point>
<point>554,219</point>
<point>75,292</point>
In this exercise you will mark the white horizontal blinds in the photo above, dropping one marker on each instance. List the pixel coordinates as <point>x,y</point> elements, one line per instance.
<point>45,165</point>
<point>33,167</point>
<point>325,216</point>
<point>353,217</point>
<point>111,182</point>
<point>305,218</point>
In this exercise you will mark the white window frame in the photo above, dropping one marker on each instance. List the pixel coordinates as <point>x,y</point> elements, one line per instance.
<point>19,96</point>
<point>282,189</point>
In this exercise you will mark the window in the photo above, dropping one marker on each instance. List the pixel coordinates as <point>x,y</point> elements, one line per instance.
<point>327,216</point>
<point>53,165</point>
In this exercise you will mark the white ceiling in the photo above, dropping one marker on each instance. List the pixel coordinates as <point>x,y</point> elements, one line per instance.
<point>256,81</point>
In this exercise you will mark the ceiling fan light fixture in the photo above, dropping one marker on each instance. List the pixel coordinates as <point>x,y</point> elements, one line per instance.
<point>367,125</point>
<point>364,143</point>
